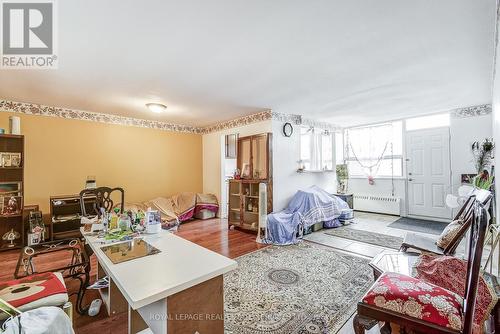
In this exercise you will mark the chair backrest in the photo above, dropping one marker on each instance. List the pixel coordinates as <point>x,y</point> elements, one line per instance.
<point>476,241</point>
<point>102,199</point>
<point>478,195</point>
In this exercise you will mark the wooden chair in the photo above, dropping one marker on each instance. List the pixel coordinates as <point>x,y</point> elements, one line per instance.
<point>103,199</point>
<point>370,310</point>
<point>426,244</point>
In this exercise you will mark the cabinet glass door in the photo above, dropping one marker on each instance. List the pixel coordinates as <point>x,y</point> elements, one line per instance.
<point>259,157</point>
<point>245,157</point>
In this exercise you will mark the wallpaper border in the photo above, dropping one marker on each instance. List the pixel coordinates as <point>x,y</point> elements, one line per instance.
<point>479,110</point>
<point>43,110</point>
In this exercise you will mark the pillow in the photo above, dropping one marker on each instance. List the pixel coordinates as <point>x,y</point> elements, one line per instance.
<point>449,232</point>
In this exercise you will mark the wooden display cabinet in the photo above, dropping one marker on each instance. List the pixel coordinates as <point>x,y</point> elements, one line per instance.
<point>254,157</point>
<point>254,160</point>
<point>11,174</point>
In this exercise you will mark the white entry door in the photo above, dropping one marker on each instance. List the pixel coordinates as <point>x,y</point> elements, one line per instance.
<point>429,172</point>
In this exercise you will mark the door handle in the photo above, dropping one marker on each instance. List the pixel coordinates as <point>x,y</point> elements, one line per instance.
<point>410,179</point>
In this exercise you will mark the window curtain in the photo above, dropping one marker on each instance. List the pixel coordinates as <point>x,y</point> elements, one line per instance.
<point>368,145</point>
<point>316,156</point>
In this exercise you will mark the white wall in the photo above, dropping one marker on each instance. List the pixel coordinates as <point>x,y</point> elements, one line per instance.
<point>464,131</point>
<point>286,153</point>
<point>286,180</point>
<point>212,158</point>
<point>382,187</point>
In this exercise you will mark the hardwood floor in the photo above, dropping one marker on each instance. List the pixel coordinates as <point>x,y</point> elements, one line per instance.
<point>212,234</point>
<point>215,235</point>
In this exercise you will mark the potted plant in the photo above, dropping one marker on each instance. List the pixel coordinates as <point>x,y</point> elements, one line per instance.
<point>483,156</point>
<point>342,177</point>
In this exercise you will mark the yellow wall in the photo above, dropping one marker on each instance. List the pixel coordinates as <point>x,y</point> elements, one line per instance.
<point>61,153</point>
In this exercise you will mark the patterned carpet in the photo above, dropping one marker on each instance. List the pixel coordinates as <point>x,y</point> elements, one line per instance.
<point>298,289</point>
<point>373,238</point>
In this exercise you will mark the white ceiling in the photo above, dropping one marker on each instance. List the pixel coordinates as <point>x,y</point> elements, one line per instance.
<point>346,62</point>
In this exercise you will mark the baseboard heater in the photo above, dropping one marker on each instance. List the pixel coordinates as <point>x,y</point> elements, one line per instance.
<point>378,204</point>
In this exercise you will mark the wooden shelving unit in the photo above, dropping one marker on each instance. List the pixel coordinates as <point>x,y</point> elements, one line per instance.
<point>12,144</point>
<point>255,163</point>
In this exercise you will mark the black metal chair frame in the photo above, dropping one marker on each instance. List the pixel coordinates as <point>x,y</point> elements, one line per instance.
<point>78,267</point>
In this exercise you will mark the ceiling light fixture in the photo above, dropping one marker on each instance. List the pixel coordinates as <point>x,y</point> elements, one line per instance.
<point>156,107</point>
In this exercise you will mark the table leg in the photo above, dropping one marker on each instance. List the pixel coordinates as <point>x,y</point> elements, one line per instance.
<point>135,322</point>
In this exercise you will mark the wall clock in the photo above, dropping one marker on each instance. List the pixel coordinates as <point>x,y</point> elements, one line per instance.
<point>287,129</point>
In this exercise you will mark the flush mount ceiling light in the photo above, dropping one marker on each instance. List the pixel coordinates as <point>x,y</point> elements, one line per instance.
<point>156,107</point>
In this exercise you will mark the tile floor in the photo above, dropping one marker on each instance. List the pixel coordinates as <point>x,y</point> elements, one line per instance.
<point>371,222</point>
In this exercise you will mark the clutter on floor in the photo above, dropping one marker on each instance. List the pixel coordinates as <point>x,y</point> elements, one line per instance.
<point>179,208</point>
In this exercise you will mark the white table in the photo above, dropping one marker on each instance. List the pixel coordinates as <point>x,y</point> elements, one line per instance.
<point>178,290</point>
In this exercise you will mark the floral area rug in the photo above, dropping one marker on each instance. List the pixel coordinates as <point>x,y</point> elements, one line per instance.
<point>368,237</point>
<point>303,288</point>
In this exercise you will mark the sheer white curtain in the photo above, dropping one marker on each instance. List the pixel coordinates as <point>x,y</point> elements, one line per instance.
<point>367,146</point>
<point>316,149</point>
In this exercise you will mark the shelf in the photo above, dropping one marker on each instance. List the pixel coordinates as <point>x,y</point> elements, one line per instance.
<point>235,194</point>
<point>11,216</point>
<point>251,196</point>
<point>315,171</point>
<point>5,248</point>
<point>11,167</point>
<point>235,210</point>
<point>251,227</point>
<point>7,135</point>
<point>251,212</point>
<point>66,234</point>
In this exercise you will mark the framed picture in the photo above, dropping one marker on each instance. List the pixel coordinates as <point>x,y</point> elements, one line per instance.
<point>34,238</point>
<point>245,172</point>
<point>15,159</point>
<point>5,160</point>
<point>12,205</point>
<point>10,188</point>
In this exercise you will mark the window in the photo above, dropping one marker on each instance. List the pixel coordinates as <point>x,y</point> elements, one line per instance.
<point>375,150</point>
<point>339,148</point>
<point>316,149</point>
<point>427,122</point>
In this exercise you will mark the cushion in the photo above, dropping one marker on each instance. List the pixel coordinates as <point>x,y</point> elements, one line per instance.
<point>449,232</point>
<point>27,293</point>
<point>417,299</point>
